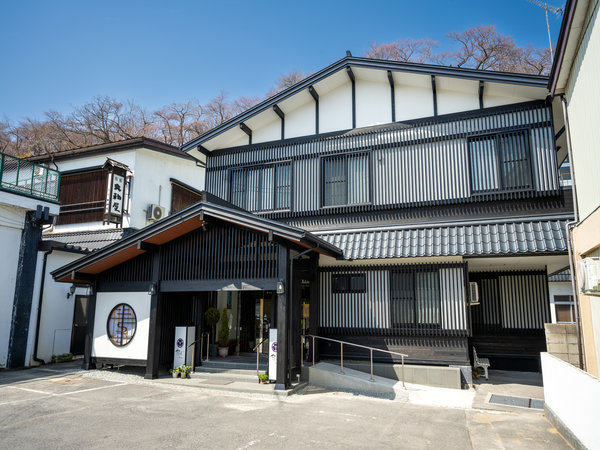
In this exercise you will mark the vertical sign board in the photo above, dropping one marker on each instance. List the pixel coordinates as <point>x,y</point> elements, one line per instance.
<point>183,352</point>
<point>180,346</point>
<point>273,354</point>
<point>115,197</point>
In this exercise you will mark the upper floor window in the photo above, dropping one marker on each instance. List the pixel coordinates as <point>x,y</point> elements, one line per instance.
<point>346,179</point>
<point>500,162</point>
<point>262,188</point>
<point>348,283</point>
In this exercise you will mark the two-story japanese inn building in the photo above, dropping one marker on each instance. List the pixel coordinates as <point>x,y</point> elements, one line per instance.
<point>410,207</point>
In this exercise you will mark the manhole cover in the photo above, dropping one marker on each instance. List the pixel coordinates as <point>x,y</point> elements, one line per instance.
<point>520,402</point>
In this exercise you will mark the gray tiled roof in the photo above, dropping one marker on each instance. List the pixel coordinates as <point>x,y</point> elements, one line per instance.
<point>87,240</point>
<point>563,275</point>
<point>470,239</point>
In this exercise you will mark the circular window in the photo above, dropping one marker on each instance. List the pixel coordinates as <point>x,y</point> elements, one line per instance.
<point>121,324</point>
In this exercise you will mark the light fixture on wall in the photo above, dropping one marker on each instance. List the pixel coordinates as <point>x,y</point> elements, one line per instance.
<point>280,287</point>
<point>71,291</point>
<point>152,289</point>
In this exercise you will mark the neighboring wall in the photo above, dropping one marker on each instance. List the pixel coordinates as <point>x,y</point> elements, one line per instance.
<point>582,93</point>
<point>571,401</point>
<point>11,227</point>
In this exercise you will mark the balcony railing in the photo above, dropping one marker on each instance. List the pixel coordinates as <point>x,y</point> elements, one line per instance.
<point>24,177</point>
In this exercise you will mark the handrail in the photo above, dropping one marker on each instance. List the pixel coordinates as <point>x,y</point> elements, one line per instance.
<point>354,345</point>
<point>257,354</point>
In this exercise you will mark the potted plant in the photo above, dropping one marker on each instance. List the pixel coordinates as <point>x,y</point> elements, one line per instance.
<point>224,334</point>
<point>185,371</point>
<point>263,377</point>
<point>174,372</point>
<point>211,316</point>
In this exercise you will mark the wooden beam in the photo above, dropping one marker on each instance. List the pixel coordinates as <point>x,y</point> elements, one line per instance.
<point>315,96</point>
<point>393,94</point>
<point>141,245</point>
<point>248,131</point>
<point>353,81</point>
<point>281,115</point>
<point>481,84</point>
<point>433,89</point>
<point>82,276</point>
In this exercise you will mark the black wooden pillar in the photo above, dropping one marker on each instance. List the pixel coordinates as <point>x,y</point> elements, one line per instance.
<point>23,294</point>
<point>89,330</point>
<point>283,380</point>
<point>153,358</point>
<point>314,304</point>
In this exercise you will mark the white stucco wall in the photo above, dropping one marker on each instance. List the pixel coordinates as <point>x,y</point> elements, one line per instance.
<point>138,347</point>
<point>269,132</point>
<point>151,184</point>
<point>301,121</point>
<point>375,103</point>
<point>57,310</point>
<point>574,396</point>
<point>583,92</point>
<point>11,228</point>
<point>456,95</point>
<point>413,102</point>
<point>335,109</point>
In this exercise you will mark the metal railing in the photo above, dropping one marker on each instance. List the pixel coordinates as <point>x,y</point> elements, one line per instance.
<point>258,353</point>
<point>22,176</point>
<point>342,343</point>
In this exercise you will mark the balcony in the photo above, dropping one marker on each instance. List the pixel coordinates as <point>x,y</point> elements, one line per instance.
<point>26,178</point>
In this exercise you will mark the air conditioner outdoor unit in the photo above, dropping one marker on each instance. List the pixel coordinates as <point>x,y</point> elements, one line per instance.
<point>155,212</point>
<point>588,276</point>
<point>473,293</point>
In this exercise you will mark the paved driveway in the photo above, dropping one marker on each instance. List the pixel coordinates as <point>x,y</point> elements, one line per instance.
<point>54,408</point>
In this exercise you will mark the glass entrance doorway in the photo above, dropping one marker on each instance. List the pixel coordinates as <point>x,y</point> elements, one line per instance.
<point>256,319</point>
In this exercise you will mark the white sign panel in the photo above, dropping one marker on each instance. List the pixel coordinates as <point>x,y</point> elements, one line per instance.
<point>116,201</point>
<point>180,346</point>
<point>273,354</point>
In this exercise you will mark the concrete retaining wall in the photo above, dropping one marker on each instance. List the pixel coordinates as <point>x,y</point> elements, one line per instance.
<point>438,376</point>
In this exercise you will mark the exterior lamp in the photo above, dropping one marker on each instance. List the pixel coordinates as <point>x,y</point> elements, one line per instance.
<point>152,289</point>
<point>71,290</point>
<point>280,287</point>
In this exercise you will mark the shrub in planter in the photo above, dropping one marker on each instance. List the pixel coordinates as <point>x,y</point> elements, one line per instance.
<point>224,333</point>
<point>263,377</point>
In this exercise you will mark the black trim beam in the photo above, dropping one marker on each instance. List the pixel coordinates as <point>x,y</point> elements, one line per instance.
<point>434,91</point>
<point>88,363</point>
<point>246,129</point>
<point>481,86</point>
<point>141,245</point>
<point>353,81</point>
<point>82,276</point>
<point>283,310</point>
<point>393,94</point>
<point>154,334</point>
<point>237,284</point>
<point>281,115</point>
<point>313,92</point>
<point>559,134</point>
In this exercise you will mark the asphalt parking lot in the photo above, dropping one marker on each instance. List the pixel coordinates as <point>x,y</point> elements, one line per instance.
<point>55,407</point>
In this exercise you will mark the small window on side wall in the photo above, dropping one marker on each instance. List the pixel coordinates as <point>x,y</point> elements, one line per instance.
<point>121,325</point>
<point>348,283</point>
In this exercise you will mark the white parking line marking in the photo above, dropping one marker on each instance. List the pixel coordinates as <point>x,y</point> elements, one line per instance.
<point>30,390</point>
<point>89,390</point>
<point>23,400</point>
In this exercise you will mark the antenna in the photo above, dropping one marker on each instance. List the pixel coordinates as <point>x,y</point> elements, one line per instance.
<point>557,12</point>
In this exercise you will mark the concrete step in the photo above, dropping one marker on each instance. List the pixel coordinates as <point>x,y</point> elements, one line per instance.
<point>234,364</point>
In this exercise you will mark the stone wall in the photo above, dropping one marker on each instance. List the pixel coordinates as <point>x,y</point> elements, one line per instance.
<point>561,341</point>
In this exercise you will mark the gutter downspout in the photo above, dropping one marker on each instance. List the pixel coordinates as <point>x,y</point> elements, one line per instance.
<point>39,310</point>
<point>570,226</point>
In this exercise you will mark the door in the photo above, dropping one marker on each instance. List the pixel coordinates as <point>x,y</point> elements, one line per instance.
<point>79,325</point>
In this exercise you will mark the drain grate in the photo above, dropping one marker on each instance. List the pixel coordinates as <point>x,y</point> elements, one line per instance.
<point>520,402</point>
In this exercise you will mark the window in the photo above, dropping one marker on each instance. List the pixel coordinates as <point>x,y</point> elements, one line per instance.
<point>82,197</point>
<point>500,162</point>
<point>346,179</point>
<point>415,298</point>
<point>563,306</point>
<point>348,283</point>
<point>262,188</point>
<point>121,325</point>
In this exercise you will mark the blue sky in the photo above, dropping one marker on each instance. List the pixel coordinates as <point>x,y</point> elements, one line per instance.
<point>58,54</point>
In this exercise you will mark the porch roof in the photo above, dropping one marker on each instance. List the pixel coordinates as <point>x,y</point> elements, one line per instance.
<point>460,239</point>
<point>176,225</point>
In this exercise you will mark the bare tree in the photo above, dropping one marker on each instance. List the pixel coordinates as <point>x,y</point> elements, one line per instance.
<point>404,50</point>
<point>287,80</point>
<point>178,123</point>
